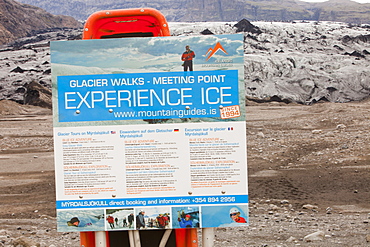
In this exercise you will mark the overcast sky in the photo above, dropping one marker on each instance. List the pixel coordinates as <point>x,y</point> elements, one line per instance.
<point>359,1</point>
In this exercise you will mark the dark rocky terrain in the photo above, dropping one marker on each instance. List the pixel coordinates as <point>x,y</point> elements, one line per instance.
<point>25,71</point>
<point>304,62</point>
<point>19,20</point>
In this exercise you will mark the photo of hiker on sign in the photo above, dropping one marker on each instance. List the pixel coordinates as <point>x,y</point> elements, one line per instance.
<point>227,215</point>
<point>81,220</point>
<point>185,217</point>
<point>118,219</point>
<point>187,58</point>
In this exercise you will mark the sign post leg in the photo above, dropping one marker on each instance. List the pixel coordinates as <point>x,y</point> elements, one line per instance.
<point>137,238</point>
<point>100,239</point>
<point>131,238</point>
<point>166,236</point>
<point>207,237</point>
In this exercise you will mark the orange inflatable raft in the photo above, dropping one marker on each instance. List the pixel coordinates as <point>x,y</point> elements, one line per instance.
<point>125,23</point>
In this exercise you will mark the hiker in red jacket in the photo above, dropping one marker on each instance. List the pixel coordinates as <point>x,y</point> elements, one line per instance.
<point>187,57</point>
<point>235,216</point>
<point>110,220</point>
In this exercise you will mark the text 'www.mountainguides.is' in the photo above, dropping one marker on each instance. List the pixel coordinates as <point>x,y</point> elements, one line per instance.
<point>166,113</point>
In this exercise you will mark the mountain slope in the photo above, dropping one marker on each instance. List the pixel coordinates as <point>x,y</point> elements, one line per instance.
<point>339,10</point>
<point>19,20</point>
<point>219,10</point>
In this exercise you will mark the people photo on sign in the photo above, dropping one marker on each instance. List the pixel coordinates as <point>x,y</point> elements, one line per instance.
<point>80,220</point>
<point>153,218</point>
<point>119,219</point>
<point>227,215</point>
<point>235,215</point>
<point>185,217</point>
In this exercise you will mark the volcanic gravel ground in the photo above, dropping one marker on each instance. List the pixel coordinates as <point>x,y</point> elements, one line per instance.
<point>309,172</point>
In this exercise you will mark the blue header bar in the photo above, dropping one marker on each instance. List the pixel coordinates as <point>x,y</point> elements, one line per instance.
<point>158,201</point>
<point>159,95</point>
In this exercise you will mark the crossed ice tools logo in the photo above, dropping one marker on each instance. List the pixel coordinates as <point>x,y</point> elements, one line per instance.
<point>211,51</point>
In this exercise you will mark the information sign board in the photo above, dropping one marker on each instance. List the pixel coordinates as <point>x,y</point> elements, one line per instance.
<point>140,143</point>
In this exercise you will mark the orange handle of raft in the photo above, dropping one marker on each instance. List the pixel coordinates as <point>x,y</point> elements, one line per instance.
<point>90,27</point>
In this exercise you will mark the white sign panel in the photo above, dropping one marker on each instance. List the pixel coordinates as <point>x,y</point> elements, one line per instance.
<point>140,143</point>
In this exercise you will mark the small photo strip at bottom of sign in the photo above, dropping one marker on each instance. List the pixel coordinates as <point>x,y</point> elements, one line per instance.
<point>151,218</point>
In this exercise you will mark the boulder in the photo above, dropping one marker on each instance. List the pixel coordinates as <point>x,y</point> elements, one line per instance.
<point>38,95</point>
<point>368,238</point>
<point>18,70</point>
<point>316,236</point>
<point>309,206</point>
<point>245,26</point>
<point>206,32</point>
<point>25,242</point>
